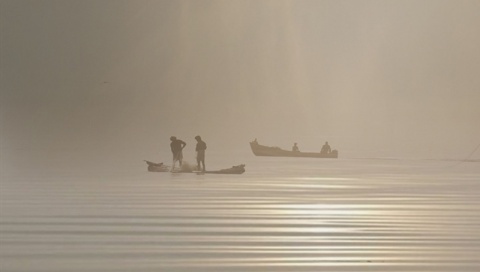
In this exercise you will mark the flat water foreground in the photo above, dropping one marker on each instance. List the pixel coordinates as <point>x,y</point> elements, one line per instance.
<point>280,215</point>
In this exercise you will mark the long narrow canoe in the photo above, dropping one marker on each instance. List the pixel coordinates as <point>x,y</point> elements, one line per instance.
<point>160,167</point>
<point>262,150</point>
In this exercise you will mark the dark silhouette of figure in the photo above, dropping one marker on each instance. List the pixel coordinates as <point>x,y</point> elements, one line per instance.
<point>295,148</point>
<point>177,146</point>
<point>200,148</point>
<point>326,149</point>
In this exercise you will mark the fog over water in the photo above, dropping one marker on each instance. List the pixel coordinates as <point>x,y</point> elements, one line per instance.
<point>90,82</point>
<point>89,89</point>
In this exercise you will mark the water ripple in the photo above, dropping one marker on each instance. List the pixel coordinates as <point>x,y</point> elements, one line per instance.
<point>262,221</point>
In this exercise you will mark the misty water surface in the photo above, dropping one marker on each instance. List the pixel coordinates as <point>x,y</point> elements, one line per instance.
<point>281,215</point>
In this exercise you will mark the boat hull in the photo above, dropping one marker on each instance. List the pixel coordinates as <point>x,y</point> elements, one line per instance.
<point>261,150</point>
<point>238,169</point>
<point>160,167</point>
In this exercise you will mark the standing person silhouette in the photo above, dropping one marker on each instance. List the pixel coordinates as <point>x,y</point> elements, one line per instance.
<point>200,148</point>
<point>177,146</point>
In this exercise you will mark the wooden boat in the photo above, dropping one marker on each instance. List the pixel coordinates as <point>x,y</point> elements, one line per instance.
<point>237,169</point>
<point>262,150</point>
<point>160,167</point>
<point>157,167</point>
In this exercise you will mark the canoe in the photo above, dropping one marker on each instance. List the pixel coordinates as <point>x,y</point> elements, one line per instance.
<point>160,167</point>
<point>262,150</point>
<point>238,169</point>
<point>157,167</point>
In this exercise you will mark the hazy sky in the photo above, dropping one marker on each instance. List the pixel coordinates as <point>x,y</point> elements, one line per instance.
<point>109,79</point>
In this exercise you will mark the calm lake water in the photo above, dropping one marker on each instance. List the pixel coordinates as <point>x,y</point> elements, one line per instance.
<point>282,214</point>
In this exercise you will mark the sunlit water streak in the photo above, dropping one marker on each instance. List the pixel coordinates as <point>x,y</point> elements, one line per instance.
<point>281,215</point>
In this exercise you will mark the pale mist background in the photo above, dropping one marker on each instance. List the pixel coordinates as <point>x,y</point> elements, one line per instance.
<point>106,83</point>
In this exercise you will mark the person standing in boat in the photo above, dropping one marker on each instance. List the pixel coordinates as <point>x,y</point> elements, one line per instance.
<point>326,149</point>
<point>200,148</point>
<point>295,148</point>
<point>177,146</point>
